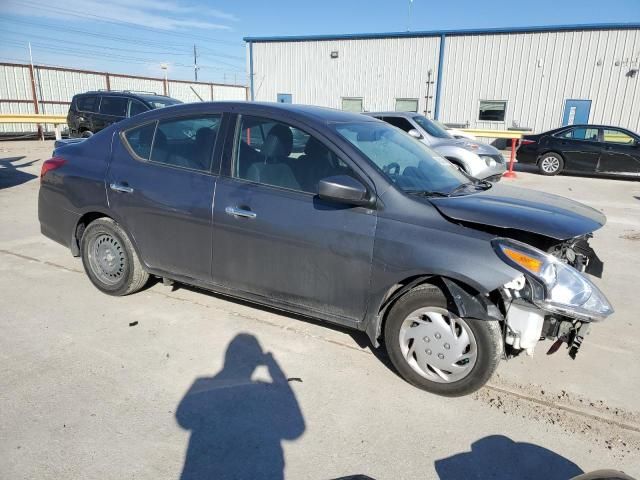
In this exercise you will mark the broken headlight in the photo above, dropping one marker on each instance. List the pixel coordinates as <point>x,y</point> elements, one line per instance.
<point>555,286</point>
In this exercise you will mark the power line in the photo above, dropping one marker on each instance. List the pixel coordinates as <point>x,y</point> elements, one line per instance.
<point>131,40</point>
<point>103,19</point>
<point>66,42</point>
<point>89,54</point>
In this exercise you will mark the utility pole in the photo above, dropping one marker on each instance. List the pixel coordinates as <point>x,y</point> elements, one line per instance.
<point>195,62</point>
<point>33,90</point>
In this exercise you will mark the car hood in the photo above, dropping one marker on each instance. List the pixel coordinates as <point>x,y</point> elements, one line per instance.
<point>471,145</point>
<point>522,209</point>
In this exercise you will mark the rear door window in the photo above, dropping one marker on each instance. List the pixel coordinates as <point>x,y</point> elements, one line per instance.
<point>140,138</point>
<point>87,103</point>
<point>186,142</point>
<point>114,106</point>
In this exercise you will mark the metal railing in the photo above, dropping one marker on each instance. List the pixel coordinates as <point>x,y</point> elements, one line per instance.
<point>36,118</point>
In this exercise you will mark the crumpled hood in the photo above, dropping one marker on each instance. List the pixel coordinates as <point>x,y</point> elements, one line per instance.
<point>522,209</point>
<point>471,145</point>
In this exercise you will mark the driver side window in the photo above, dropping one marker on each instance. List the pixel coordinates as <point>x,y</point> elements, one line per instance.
<point>281,155</point>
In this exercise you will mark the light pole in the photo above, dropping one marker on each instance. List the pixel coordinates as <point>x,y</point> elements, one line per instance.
<point>165,67</point>
<point>409,15</point>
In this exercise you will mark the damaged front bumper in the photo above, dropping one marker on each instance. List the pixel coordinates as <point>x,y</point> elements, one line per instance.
<point>553,298</point>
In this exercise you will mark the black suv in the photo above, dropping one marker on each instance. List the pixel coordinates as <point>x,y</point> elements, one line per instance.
<point>92,111</point>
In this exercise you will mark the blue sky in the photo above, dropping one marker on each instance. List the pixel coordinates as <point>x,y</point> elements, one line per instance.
<point>135,37</point>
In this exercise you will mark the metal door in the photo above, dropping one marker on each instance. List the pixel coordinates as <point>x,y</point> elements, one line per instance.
<point>576,112</point>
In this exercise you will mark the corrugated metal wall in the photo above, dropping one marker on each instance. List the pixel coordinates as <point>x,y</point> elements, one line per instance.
<point>376,70</point>
<point>55,87</point>
<point>536,72</point>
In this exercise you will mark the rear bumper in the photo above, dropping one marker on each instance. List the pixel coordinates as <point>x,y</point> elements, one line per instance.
<point>56,223</point>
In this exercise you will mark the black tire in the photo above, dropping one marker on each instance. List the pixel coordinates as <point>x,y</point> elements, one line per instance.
<point>121,273</point>
<point>488,337</point>
<point>551,163</point>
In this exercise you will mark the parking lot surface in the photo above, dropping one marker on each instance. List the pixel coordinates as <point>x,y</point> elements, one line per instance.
<point>178,383</point>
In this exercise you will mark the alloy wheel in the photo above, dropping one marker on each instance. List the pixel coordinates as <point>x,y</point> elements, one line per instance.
<point>550,164</point>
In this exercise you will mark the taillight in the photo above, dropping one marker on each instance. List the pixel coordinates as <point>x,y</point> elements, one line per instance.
<point>51,164</point>
<point>525,141</point>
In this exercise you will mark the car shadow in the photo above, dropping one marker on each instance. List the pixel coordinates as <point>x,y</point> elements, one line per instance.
<point>500,458</point>
<point>10,173</point>
<point>238,422</point>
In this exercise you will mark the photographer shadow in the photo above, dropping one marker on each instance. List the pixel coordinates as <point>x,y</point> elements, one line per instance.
<point>237,423</point>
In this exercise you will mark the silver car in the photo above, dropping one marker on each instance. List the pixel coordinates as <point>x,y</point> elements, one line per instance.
<point>475,158</point>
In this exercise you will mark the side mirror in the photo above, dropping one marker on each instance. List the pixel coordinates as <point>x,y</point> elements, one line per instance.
<point>344,189</point>
<point>415,133</point>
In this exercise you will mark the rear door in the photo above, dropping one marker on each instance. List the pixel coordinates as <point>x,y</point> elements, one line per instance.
<point>112,110</point>
<point>620,153</point>
<point>580,147</point>
<point>275,238</point>
<point>160,186</point>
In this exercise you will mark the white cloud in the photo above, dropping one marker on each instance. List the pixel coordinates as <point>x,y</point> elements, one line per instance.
<point>162,14</point>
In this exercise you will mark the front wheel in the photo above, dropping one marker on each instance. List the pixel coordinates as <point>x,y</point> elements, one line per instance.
<point>550,164</point>
<point>110,260</point>
<point>435,350</point>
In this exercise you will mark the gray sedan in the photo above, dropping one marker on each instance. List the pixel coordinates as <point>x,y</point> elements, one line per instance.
<point>362,227</point>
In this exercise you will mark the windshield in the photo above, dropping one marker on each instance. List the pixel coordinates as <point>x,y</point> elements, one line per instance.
<point>432,128</point>
<point>408,163</point>
<point>160,102</point>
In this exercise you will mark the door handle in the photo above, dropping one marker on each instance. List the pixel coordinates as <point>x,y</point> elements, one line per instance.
<point>119,187</point>
<point>239,212</point>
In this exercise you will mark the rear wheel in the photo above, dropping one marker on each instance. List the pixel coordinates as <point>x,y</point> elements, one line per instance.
<point>110,260</point>
<point>435,350</point>
<point>550,164</point>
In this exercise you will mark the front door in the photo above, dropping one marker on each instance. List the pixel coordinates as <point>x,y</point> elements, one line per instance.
<point>576,112</point>
<point>275,238</point>
<point>620,153</point>
<point>160,186</point>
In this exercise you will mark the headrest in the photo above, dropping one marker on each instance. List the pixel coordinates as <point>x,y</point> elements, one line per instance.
<point>279,142</point>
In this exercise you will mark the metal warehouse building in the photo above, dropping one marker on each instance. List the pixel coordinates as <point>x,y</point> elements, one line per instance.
<point>531,78</point>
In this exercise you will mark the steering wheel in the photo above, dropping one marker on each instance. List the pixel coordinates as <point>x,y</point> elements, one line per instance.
<point>391,166</point>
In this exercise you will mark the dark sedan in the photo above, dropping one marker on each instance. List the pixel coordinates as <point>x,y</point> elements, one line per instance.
<point>363,227</point>
<point>588,149</point>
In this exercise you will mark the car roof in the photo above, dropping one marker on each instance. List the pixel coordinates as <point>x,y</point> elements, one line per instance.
<point>310,113</point>
<point>123,93</point>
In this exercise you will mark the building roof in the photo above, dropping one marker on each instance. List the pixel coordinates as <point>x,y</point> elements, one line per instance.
<point>438,33</point>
